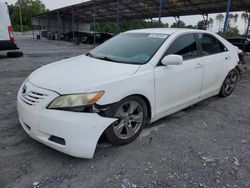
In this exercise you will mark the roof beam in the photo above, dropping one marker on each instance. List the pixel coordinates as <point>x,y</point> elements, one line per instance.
<point>194,5</point>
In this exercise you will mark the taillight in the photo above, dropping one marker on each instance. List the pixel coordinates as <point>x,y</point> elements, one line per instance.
<point>12,39</point>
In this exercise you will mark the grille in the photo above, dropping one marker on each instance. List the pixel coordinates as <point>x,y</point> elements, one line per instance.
<point>32,98</point>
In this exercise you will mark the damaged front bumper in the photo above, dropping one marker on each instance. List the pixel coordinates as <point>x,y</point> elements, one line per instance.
<point>73,133</point>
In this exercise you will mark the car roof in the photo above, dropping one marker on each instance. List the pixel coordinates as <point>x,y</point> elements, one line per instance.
<point>168,31</point>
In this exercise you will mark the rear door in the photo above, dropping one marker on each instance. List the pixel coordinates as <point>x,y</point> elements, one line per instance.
<point>177,85</point>
<point>215,57</point>
<point>4,22</point>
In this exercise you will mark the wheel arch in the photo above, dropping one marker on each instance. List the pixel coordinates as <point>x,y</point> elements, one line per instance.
<point>108,108</point>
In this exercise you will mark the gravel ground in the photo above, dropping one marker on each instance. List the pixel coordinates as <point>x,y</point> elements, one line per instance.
<point>206,145</point>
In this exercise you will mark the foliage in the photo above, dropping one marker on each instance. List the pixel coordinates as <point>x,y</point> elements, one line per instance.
<point>232,32</point>
<point>29,8</point>
<point>202,24</point>
<point>190,27</point>
<point>125,25</point>
<point>178,24</point>
<point>245,17</point>
<point>220,18</point>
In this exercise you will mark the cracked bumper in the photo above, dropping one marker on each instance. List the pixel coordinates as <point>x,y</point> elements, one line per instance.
<point>80,131</point>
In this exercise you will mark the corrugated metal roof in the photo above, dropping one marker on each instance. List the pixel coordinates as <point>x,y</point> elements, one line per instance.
<point>106,10</point>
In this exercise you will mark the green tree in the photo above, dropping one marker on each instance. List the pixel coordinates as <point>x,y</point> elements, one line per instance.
<point>210,23</point>
<point>29,9</point>
<point>230,19</point>
<point>244,17</point>
<point>126,25</point>
<point>190,27</point>
<point>202,24</point>
<point>232,32</point>
<point>178,24</point>
<point>220,18</point>
<point>235,19</point>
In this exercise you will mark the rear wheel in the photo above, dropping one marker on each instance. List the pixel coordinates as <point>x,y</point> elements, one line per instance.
<point>229,83</point>
<point>132,115</point>
<point>15,54</point>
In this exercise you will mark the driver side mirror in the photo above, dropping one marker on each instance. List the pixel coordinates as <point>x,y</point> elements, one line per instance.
<point>172,60</point>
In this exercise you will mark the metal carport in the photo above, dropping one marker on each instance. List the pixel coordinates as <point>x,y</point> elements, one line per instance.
<point>114,10</point>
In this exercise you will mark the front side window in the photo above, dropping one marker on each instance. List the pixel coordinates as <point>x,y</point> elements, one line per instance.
<point>185,46</point>
<point>209,44</point>
<point>222,47</point>
<point>131,48</point>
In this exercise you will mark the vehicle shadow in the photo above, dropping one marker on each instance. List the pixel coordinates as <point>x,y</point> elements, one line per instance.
<point>2,56</point>
<point>184,112</point>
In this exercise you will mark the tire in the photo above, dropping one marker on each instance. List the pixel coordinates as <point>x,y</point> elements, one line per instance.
<point>132,117</point>
<point>229,83</point>
<point>15,54</point>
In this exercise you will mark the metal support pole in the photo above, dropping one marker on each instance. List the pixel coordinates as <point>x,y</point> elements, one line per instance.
<point>77,25</point>
<point>20,14</point>
<point>39,27</point>
<point>58,24</point>
<point>94,17</point>
<point>33,32</point>
<point>117,16</point>
<point>227,14</point>
<point>63,24</point>
<point>246,35</point>
<point>73,24</point>
<point>47,26</point>
<point>160,13</point>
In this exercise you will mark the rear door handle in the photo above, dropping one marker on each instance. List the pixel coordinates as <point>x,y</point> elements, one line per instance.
<point>199,66</point>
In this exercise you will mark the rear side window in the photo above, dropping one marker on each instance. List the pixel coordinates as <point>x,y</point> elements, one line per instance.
<point>209,44</point>
<point>185,46</point>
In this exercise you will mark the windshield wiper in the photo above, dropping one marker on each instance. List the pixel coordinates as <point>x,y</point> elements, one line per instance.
<point>106,59</point>
<point>102,58</point>
<point>89,54</point>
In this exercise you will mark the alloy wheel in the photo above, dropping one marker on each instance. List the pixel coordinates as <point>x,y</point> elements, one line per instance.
<point>130,119</point>
<point>230,82</point>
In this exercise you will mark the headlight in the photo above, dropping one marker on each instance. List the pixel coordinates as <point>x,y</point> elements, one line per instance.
<point>75,100</point>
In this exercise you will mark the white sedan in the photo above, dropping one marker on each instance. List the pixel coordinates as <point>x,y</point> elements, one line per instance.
<point>117,88</point>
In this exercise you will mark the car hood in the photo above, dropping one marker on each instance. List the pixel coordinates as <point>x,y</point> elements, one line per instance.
<point>79,72</point>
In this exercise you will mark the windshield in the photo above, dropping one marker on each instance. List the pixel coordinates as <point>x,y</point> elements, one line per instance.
<point>132,48</point>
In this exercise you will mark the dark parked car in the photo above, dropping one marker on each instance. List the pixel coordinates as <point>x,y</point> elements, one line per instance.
<point>242,43</point>
<point>99,38</point>
<point>79,35</point>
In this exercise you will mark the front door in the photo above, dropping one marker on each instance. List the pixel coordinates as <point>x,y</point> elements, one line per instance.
<point>177,85</point>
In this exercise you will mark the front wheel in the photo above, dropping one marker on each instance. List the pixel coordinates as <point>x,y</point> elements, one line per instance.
<point>229,83</point>
<point>131,113</point>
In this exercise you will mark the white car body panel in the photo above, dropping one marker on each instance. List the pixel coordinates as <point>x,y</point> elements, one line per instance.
<point>172,84</point>
<point>87,71</point>
<point>4,22</point>
<point>168,89</point>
